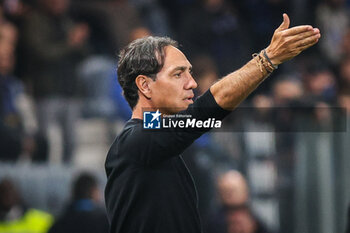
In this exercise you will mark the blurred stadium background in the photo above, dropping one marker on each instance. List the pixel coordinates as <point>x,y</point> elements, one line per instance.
<point>61,105</point>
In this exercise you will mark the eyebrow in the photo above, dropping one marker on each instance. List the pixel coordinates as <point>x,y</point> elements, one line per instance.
<point>181,68</point>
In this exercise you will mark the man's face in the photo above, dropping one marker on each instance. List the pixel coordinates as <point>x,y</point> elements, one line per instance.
<point>172,90</point>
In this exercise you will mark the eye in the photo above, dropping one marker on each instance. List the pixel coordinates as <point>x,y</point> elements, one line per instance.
<point>177,74</point>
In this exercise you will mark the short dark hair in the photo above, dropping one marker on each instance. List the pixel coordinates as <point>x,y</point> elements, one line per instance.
<point>143,56</point>
<point>84,185</point>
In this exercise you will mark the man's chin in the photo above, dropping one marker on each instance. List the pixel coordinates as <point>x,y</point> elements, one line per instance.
<point>171,111</point>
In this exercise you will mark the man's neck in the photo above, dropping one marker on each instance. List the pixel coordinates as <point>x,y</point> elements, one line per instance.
<point>137,113</point>
<point>141,106</point>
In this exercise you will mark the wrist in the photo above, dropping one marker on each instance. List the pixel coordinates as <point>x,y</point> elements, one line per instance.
<point>263,62</point>
<point>270,63</point>
<point>272,57</point>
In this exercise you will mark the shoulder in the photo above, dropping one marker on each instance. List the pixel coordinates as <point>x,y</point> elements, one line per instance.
<point>129,140</point>
<point>131,133</point>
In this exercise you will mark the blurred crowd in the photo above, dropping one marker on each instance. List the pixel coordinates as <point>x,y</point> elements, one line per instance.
<point>58,59</point>
<point>58,66</point>
<point>83,212</point>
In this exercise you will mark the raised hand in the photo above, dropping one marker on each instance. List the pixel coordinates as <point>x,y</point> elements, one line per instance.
<point>288,42</point>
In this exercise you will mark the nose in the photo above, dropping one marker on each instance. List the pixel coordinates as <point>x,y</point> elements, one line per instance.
<point>191,83</point>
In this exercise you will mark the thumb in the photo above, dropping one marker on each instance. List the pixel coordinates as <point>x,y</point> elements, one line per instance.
<point>285,24</point>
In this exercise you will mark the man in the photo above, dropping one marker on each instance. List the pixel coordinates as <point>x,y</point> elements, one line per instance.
<point>15,216</point>
<point>56,44</point>
<point>234,213</point>
<point>149,188</point>
<point>83,213</point>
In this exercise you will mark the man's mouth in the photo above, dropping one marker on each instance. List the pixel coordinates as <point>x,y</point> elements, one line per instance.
<point>190,99</point>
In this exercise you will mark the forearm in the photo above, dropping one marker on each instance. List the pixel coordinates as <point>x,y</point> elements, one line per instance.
<point>236,86</point>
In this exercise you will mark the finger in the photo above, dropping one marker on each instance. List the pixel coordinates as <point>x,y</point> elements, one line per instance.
<point>285,24</point>
<point>297,30</point>
<point>307,45</point>
<point>304,47</point>
<point>303,35</point>
<point>307,42</point>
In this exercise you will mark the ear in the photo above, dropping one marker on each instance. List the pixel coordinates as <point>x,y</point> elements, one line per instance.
<point>143,84</point>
